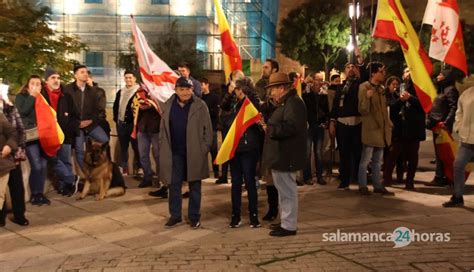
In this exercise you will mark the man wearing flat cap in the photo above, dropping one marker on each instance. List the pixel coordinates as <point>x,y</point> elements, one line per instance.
<point>185,140</point>
<point>285,149</point>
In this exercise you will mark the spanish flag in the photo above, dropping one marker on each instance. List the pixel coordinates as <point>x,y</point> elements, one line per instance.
<point>50,133</point>
<point>446,149</point>
<point>298,85</point>
<point>393,23</point>
<point>247,116</point>
<point>230,52</point>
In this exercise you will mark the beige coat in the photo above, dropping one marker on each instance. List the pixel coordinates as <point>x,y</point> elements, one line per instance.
<point>198,141</point>
<point>376,124</point>
<point>464,122</point>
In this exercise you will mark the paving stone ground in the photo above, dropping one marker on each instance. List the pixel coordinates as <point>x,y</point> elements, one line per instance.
<point>128,234</point>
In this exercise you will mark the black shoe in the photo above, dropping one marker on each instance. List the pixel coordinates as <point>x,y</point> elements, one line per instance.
<point>36,200</point>
<point>270,216</point>
<point>234,222</point>
<point>195,224</point>
<point>21,221</point>
<point>454,202</point>
<point>433,161</point>
<point>43,200</point>
<point>321,181</point>
<point>309,182</point>
<point>343,187</point>
<point>162,192</point>
<point>173,222</point>
<point>384,191</point>
<point>221,180</point>
<point>299,182</point>
<point>3,217</point>
<point>144,184</point>
<point>275,226</point>
<point>282,232</point>
<point>437,182</point>
<point>186,195</point>
<point>410,186</point>
<point>254,223</point>
<point>364,191</point>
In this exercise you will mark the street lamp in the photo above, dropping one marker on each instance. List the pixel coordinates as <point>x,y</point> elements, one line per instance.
<point>354,14</point>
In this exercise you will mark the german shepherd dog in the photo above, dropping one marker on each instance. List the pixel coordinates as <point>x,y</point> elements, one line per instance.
<point>98,173</point>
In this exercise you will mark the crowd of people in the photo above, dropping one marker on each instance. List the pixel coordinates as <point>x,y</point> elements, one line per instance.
<point>376,124</point>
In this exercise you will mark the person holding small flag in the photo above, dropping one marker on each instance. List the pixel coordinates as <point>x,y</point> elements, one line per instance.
<point>246,148</point>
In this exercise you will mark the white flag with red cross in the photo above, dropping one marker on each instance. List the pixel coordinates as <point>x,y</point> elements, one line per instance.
<point>158,77</point>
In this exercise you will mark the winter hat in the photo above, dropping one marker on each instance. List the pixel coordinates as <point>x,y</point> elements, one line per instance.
<point>49,72</point>
<point>184,82</point>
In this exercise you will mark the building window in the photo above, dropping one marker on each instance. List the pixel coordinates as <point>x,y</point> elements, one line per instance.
<point>93,1</point>
<point>160,2</point>
<point>95,62</point>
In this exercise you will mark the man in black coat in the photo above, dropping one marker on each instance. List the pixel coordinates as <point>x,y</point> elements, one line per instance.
<point>68,119</point>
<point>443,111</point>
<point>285,142</point>
<point>213,104</point>
<point>90,103</point>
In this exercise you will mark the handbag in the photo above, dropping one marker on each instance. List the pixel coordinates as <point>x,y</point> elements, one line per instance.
<point>6,165</point>
<point>31,134</point>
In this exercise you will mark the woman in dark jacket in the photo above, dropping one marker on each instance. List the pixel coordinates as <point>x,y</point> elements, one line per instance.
<point>243,166</point>
<point>408,120</point>
<point>25,103</point>
<point>15,180</point>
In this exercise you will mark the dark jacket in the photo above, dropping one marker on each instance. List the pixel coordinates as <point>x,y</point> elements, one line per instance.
<point>13,116</point>
<point>346,101</point>
<point>253,136</point>
<point>7,133</point>
<point>103,123</point>
<point>285,140</point>
<point>89,104</point>
<point>149,121</point>
<point>408,117</point>
<point>25,103</point>
<point>128,112</point>
<point>317,107</point>
<point>67,116</point>
<point>445,105</point>
<point>213,104</point>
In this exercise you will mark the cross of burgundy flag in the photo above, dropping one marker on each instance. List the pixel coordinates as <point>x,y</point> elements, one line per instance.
<point>157,76</point>
<point>447,43</point>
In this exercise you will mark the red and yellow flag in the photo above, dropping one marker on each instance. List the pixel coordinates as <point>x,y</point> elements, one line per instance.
<point>393,23</point>
<point>230,51</point>
<point>247,116</point>
<point>50,133</point>
<point>446,149</point>
<point>298,85</point>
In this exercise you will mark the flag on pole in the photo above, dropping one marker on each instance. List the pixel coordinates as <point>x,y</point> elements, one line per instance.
<point>447,44</point>
<point>430,11</point>
<point>247,116</point>
<point>158,77</point>
<point>50,133</point>
<point>393,23</point>
<point>230,51</point>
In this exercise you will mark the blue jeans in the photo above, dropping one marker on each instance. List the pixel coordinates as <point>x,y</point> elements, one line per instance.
<point>145,140</point>
<point>315,139</point>
<point>97,134</point>
<point>124,132</point>
<point>63,166</point>
<point>243,167</point>
<point>374,154</point>
<point>464,156</point>
<point>38,164</point>
<point>178,175</point>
